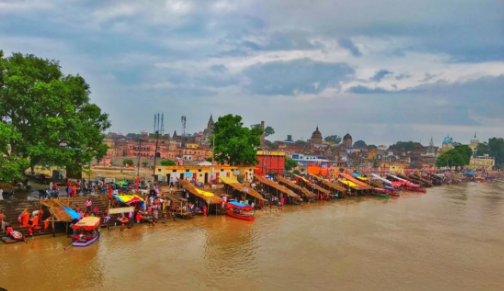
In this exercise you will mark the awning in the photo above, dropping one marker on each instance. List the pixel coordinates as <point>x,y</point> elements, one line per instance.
<point>332,186</point>
<point>209,197</point>
<point>351,184</point>
<point>239,187</point>
<point>276,186</point>
<point>362,185</point>
<point>74,214</point>
<point>87,223</point>
<point>294,186</point>
<point>56,209</point>
<point>128,199</point>
<point>312,185</point>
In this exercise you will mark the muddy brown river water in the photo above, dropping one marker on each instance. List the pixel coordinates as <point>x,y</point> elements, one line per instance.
<point>451,238</point>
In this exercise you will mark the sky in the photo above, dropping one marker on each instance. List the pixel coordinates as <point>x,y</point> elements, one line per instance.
<point>383,71</point>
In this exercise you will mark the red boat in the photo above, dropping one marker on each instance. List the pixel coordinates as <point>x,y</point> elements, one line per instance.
<point>240,211</point>
<point>394,192</point>
<point>415,188</point>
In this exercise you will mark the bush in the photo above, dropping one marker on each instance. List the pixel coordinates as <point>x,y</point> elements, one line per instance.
<point>128,162</point>
<point>296,172</point>
<point>145,163</point>
<point>167,162</point>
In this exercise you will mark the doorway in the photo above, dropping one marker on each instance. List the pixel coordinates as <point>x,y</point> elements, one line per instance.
<point>206,178</point>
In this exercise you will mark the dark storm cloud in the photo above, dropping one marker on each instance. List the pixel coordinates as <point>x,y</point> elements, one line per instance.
<point>297,76</point>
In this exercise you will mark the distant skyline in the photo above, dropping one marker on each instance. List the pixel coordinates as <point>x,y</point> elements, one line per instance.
<point>385,71</point>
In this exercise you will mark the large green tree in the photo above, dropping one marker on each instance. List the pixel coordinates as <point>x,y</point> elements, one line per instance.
<point>234,143</point>
<point>11,165</point>
<point>268,130</point>
<point>496,146</point>
<point>360,144</point>
<point>406,146</point>
<point>482,149</point>
<point>458,156</point>
<point>290,164</point>
<point>51,112</point>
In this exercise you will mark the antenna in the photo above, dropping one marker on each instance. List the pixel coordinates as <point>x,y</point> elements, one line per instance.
<point>162,124</point>
<point>155,122</point>
<point>183,120</point>
<point>158,123</point>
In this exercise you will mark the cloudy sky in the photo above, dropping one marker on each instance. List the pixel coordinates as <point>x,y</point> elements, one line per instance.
<point>384,70</point>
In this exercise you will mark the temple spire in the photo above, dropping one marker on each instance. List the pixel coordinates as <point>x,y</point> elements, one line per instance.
<point>474,134</point>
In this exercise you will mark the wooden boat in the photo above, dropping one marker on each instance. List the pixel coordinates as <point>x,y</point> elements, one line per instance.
<point>379,192</point>
<point>14,237</point>
<point>240,211</point>
<point>415,188</point>
<point>394,192</point>
<point>86,231</point>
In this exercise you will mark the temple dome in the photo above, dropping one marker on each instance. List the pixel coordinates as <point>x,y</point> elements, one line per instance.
<point>448,140</point>
<point>316,137</point>
<point>347,140</point>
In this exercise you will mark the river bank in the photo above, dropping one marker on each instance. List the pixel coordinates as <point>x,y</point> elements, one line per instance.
<point>446,239</point>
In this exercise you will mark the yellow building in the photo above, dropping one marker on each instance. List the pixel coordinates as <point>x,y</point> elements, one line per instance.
<point>372,154</point>
<point>479,162</point>
<point>393,167</point>
<point>192,145</point>
<point>203,174</point>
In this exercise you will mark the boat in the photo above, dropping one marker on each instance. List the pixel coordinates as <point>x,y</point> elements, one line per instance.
<point>415,188</point>
<point>380,192</point>
<point>14,237</point>
<point>86,231</point>
<point>392,191</point>
<point>240,211</point>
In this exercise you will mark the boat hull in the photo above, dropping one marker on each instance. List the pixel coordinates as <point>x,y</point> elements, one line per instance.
<point>86,243</point>
<point>416,190</point>
<point>242,217</point>
<point>380,195</point>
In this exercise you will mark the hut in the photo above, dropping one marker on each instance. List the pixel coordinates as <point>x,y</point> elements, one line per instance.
<point>307,195</point>
<point>320,192</point>
<point>234,185</point>
<point>279,190</point>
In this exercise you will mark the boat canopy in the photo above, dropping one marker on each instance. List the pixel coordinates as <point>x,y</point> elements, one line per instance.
<point>468,173</point>
<point>129,199</point>
<point>382,179</point>
<point>239,187</point>
<point>74,214</point>
<point>395,177</point>
<point>240,205</point>
<point>88,223</point>
<point>359,177</point>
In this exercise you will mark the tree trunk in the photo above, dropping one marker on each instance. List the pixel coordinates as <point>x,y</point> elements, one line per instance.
<point>32,169</point>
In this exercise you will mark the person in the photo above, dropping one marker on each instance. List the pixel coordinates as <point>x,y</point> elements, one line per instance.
<point>9,230</point>
<point>1,194</point>
<point>74,190</point>
<point>46,223</point>
<point>171,182</point>
<point>204,210</point>
<point>95,210</point>
<point>110,191</point>
<point>88,204</point>
<point>35,222</point>
<point>26,217</point>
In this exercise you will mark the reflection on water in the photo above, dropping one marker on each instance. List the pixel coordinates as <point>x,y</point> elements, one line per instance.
<point>448,239</point>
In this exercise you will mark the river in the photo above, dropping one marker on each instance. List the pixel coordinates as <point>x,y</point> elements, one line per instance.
<point>451,238</point>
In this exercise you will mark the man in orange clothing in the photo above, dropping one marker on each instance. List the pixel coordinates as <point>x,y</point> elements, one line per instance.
<point>74,190</point>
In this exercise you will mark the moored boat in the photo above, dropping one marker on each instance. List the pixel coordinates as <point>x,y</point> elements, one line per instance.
<point>86,231</point>
<point>379,192</point>
<point>240,211</point>
<point>392,191</point>
<point>415,188</point>
<point>14,237</point>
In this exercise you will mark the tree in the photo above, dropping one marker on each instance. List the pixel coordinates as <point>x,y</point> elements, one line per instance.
<point>11,165</point>
<point>57,124</point>
<point>290,164</point>
<point>333,138</point>
<point>128,162</point>
<point>376,164</point>
<point>300,142</point>
<point>145,164</point>
<point>458,156</point>
<point>209,160</point>
<point>496,146</point>
<point>372,147</point>
<point>482,149</point>
<point>268,131</point>
<point>296,172</point>
<point>167,162</point>
<point>360,144</point>
<point>406,146</point>
<point>235,144</point>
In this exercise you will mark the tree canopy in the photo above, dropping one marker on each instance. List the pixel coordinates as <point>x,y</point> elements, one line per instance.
<point>371,147</point>
<point>50,115</point>
<point>11,164</point>
<point>496,147</point>
<point>333,138</point>
<point>406,146</point>
<point>290,164</point>
<point>234,143</point>
<point>482,149</point>
<point>168,162</point>
<point>128,162</point>
<point>458,156</point>
<point>268,130</point>
<point>301,142</point>
<point>360,144</point>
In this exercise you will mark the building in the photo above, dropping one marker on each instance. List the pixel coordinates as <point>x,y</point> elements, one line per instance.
<point>347,141</point>
<point>203,174</point>
<point>447,144</point>
<point>474,143</point>
<point>304,160</point>
<point>270,162</point>
<point>479,162</point>
<point>209,130</point>
<point>316,137</point>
